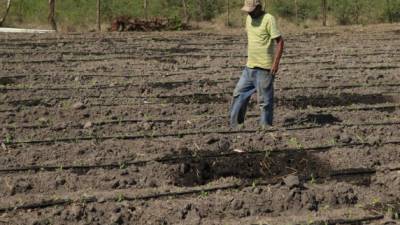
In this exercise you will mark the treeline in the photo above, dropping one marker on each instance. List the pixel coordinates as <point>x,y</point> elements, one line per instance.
<point>82,13</point>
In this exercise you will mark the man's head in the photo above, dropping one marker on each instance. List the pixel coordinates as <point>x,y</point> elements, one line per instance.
<point>253,8</point>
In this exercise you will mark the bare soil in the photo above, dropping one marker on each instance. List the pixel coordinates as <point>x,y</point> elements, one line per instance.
<point>131,128</point>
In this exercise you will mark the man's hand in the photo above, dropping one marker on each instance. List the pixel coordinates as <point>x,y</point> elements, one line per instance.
<point>278,55</point>
<point>275,69</point>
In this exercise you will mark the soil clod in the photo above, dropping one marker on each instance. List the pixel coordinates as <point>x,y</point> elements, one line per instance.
<point>78,105</point>
<point>292,181</point>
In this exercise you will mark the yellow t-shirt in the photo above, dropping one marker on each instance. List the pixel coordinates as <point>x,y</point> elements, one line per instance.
<point>261,46</point>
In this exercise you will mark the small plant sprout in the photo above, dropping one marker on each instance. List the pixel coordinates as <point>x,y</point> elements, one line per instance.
<point>146,117</point>
<point>203,194</point>
<point>293,142</point>
<point>120,197</point>
<point>268,153</point>
<point>273,136</point>
<point>360,138</point>
<point>350,213</point>
<point>122,166</point>
<point>153,134</point>
<point>390,211</point>
<point>325,207</point>
<point>310,221</point>
<point>376,200</point>
<point>254,184</point>
<point>313,179</point>
<point>180,135</point>
<point>8,139</point>
<point>332,142</point>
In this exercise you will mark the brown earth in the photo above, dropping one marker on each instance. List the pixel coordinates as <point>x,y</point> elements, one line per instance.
<point>131,128</point>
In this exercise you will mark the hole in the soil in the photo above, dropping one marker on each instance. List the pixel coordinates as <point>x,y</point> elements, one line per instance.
<point>320,119</point>
<point>249,167</point>
<point>343,99</point>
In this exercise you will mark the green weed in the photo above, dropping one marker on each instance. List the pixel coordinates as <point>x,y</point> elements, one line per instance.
<point>293,142</point>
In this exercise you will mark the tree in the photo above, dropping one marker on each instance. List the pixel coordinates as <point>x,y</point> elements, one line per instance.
<point>2,19</point>
<point>145,6</point>
<point>324,12</point>
<point>52,21</point>
<point>200,4</point>
<point>389,11</point>
<point>185,12</point>
<point>98,20</point>
<point>296,9</point>
<point>228,23</point>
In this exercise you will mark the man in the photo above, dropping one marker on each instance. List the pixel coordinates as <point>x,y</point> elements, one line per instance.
<point>265,47</point>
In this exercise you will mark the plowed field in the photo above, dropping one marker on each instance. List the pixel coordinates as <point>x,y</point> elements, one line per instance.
<point>132,128</point>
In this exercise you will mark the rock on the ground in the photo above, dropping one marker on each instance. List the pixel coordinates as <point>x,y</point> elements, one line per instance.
<point>292,181</point>
<point>87,125</point>
<point>78,105</point>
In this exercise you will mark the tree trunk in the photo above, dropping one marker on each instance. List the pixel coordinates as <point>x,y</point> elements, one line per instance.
<point>324,12</point>
<point>98,18</point>
<point>228,22</point>
<point>185,12</point>
<point>2,19</point>
<point>145,6</point>
<point>52,21</point>
<point>201,9</point>
<point>296,9</point>
<point>389,11</point>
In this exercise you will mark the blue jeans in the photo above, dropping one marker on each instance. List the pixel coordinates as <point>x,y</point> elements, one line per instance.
<point>251,81</point>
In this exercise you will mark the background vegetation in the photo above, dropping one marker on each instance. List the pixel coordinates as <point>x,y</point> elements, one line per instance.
<point>82,13</point>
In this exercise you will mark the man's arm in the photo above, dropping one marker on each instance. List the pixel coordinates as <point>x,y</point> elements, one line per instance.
<point>278,54</point>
